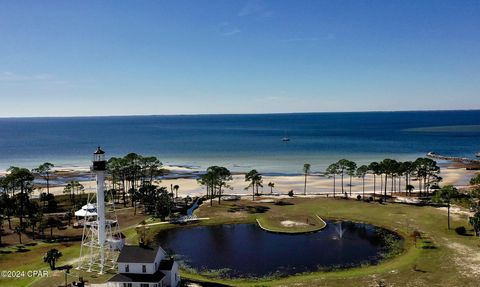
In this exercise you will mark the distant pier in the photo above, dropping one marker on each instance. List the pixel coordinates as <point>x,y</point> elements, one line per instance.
<point>453,158</point>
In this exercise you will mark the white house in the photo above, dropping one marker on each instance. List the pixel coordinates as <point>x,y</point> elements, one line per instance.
<point>145,267</point>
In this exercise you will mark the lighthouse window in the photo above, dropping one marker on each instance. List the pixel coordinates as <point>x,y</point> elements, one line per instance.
<point>127,268</point>
<point>144,268</point>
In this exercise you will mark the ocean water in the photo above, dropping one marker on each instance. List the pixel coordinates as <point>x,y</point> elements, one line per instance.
<point>242,142</point>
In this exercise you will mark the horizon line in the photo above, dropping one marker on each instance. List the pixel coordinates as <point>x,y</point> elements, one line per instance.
<point>235,114</point>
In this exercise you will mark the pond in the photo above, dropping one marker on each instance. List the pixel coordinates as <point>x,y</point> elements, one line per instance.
<point>245,250</point>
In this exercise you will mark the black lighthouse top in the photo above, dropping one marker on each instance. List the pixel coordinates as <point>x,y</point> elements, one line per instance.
<point>99,162</point>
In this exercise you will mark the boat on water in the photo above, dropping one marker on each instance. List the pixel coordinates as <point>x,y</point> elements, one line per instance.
<point>477,154</point>
<point>286,139</point>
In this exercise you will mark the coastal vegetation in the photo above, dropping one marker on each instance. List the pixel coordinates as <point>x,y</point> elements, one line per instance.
<point>445,195</point>
<point>306,171</point>
<point>44,170</point>
<point>215,179</point>
<point>271,185</point>
<point>255,180</point>
<point>391,173</point>
<point>475,180</point>
<point>135,183</point>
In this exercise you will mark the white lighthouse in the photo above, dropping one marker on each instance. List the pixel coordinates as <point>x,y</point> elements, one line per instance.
<point>101,239</point>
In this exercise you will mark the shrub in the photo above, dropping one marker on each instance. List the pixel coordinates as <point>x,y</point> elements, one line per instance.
<point>359,197</point>
<point>290,193</point>
<point>370,199</point>
<point>475,180</point>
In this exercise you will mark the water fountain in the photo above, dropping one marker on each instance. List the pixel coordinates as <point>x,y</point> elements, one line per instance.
<point>339,229</point>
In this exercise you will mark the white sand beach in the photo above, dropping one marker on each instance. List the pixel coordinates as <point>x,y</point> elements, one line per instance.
<point>316,184</point>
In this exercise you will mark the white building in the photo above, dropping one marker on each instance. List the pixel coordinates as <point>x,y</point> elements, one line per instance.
<point>145,267</point>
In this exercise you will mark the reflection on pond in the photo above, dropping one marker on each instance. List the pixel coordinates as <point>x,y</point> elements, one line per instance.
<point>246,250</point>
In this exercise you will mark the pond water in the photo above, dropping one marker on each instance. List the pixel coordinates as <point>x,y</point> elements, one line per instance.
<point>245,250</point>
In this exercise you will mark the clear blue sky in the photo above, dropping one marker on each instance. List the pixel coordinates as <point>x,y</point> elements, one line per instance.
<point>189,57</point>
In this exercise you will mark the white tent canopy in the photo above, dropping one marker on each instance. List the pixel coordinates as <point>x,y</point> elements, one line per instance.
<point>88,209</point>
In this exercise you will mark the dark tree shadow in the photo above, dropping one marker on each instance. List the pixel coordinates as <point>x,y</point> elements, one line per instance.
<point>282,203</point>
<point>250,209</point>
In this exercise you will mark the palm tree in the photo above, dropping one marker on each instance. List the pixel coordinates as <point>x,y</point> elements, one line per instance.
<point>51,257</point>
<point>271,185</point>
<point>333,170</point>
<point>306,171</point>
<point>361,173</point>
<point>255,180</point>
<point>44,171</point>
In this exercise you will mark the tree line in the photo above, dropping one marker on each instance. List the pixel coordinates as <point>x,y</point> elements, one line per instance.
<point>132,174</point>
<point>390,172</point>
<point>15,190</point>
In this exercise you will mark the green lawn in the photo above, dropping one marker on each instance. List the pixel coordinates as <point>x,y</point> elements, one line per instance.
<point>441,257</point>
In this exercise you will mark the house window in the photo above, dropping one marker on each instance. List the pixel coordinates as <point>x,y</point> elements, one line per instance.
<point>156,266</point>
<point>144,269</point>
<point>127,268</point>
<point>144,285</point>
<point>127,284</point>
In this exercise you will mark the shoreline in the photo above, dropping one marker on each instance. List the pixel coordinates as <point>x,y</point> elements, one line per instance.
<point>317,183</point>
